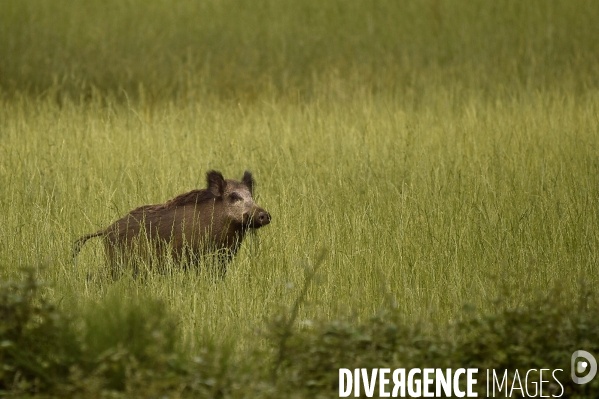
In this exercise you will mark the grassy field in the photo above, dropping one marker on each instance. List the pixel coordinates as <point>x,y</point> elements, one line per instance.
<point>437,206</point>
<point>442,153</point>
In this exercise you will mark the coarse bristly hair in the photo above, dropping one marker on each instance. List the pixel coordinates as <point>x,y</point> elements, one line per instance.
<point>215,184</point>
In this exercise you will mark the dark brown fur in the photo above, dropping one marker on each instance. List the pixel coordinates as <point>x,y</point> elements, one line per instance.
<point>192,224</point>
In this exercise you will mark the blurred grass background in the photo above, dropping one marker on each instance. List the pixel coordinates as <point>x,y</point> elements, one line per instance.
<point>163,50</point>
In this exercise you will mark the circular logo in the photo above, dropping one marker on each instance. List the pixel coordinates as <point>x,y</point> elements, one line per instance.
<point>579,366</point>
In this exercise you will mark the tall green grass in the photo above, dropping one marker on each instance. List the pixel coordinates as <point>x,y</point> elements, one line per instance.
<point>437,205</point>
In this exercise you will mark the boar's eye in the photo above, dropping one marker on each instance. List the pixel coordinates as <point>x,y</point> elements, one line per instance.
<point>235,197</point>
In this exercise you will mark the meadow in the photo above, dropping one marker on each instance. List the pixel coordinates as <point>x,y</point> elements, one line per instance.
<point>439,154</point>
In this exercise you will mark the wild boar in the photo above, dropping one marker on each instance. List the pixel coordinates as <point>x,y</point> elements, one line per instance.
<point>189,226</point>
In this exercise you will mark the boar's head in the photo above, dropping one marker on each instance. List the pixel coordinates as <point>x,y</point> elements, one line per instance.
<point>238,204</point>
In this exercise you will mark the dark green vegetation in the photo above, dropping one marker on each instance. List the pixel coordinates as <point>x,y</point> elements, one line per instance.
<point>133,349</point>
<point>444,152</point>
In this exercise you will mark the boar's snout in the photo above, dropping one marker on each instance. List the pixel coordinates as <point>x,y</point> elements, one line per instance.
<point>263,218</point>
<point>258,219</point>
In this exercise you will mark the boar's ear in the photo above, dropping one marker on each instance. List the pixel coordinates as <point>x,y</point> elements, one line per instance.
<point>248,180</point>
<point>216,183</point>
